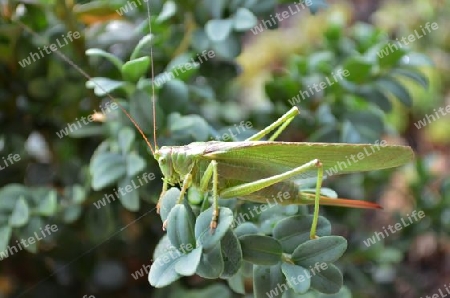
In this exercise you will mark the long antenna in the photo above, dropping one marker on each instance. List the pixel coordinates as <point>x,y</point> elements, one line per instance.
<point>153,77</point>
<point>87,76</point>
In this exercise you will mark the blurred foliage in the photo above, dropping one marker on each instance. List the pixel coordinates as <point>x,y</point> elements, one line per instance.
<point>64,175</point>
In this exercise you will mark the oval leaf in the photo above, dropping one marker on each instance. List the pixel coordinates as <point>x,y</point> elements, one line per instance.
<point>247,228</point>
<point>133,70</point>
<point>295,230</point>
<point>218,30</point>
<point>130,199</point>
<point>106,168</point>
<point>168,201</point>
<point>261,250</point>
<point>103,86</point>
<point>326,249</point>
<point>211,263</point>
<point>358,68</point>
<point>101,53</point>
<point>188,263</point>
<point>125,138</point>
<point>298,278</point>
<point>20,214</point>
<point>48,204</point>
<point>162,272</point>
<point>180,228</point>
<point>395,88</point>
<point>135,164</point>
<point>207,238</point>
<point>244,19</point>
<point>231,253</point>
<point>328,281</point>
<point>267,280</point>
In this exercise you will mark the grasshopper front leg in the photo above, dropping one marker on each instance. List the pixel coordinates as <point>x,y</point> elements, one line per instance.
<point>211,173</point>
<point>164,189</point>
<point>251,187</point>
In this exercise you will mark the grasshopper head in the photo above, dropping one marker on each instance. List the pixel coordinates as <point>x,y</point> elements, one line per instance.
<point>164,158</point>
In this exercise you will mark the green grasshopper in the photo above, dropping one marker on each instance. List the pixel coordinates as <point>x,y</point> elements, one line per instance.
<point>254,170</point>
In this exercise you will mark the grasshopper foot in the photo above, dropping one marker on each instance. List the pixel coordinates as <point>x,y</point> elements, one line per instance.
<point>313,237</point>
<point>164,226</point>
<point>215,218</point>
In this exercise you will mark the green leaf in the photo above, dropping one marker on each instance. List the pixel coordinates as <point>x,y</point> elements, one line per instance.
<point>293,230</point>
<point>5,235</point>
<point>28,231</point>
<point>229,48</point>
<point>106,168</point>
<point>267,279</point>
<point>231,253</point>
<point>326,249</point>
<point>141,109</point>
<point>184,66</point>
<point>188,263</point>
<point>413,75</point>
<point>180,227</point>
<point>145,41</point>
<point>163,246</point>
<point>125,139</point>
<point>349,133</point>
<point>71,214</point>
<point>391,57</point>
<point>394,87</point>
<point>174,96</point>
<point>20,214</point>
<point>48,204</point>
<point>129,200</point>
<point>328,281</point>
<point>246,228</point>
<point>211,263</point>
<point>359,69</point>
<point>135,164</point>
<point>244,19</point>
<point>192,126</point>
<point>9,195</point>
<point>162,272</point>
<point>200,41</point>
<point>297,277</point>
<point>237,283</point>
<point>379,98</point>
<point>169,9</point>
<point>133,70</point>
<point>168,201</point>
<point>417,60</point>
<point>101,53</point>
<point>103,86</point>
<point>218,30</point>
<point>76,192</point>
<point>207,238</point>
<point>261,250</point>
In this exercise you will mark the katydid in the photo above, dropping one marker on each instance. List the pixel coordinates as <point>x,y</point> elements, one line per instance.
<point>254,170</point>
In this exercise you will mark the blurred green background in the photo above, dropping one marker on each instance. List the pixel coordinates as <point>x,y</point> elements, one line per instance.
<point>56,177</point>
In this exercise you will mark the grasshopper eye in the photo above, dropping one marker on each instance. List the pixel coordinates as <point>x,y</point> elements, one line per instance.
<point>163,160</point>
